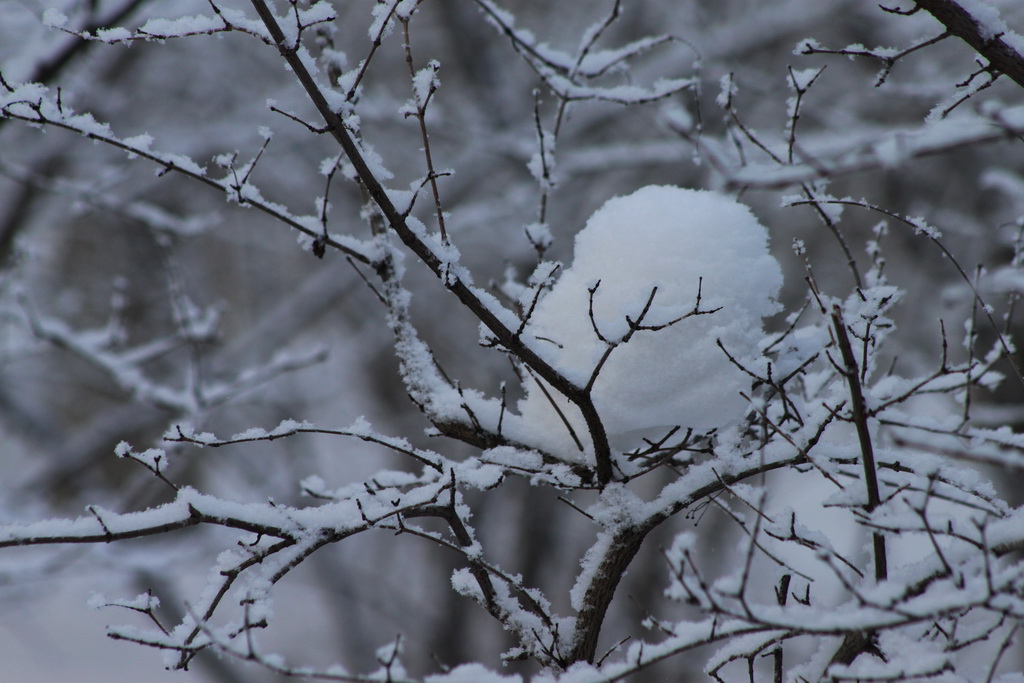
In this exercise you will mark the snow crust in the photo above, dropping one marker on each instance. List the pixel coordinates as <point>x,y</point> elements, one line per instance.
<point>678,242</point>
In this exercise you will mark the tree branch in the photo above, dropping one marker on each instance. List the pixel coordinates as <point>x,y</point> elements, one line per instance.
<point>466,295</point>
<point>987,40</point>
<point>860,419</point>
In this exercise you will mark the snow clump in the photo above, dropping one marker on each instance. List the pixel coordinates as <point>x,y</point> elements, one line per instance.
<point>679,241</point>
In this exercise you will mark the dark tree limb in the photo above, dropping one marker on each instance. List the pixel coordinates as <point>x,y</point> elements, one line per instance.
<point>396,220</point>
<point>860,419</point>
<point>962,24</point>
<point>623,548</point>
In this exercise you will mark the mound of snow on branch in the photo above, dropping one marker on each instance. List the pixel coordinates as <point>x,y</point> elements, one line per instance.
<point>679,241</point>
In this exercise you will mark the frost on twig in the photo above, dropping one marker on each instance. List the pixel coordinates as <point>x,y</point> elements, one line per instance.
<point>569,76</point>
<point>832,158</point>
<point>126,366</point>
<point>222,20</point>
<point>34,104</point>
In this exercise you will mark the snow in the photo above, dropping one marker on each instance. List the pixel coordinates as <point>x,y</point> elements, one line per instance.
<point>285,428</point>
<point>141,602</point>
<point>622,94</point>
<point>187,431</point>
<point>153,458</point>
<point>669,242</point>
<point>655,248</point>
<point>472,673</point>
<point>855,151</point>
<point>479,475</point>
<point>990,24</point>
<point>589,566</point>
<point>539,235</point>
<point>425,82</point>
<point>542,164</point>
<point>181,26</point>
<point>318,13</point>
<point>54,18</point>
<point>727,90</point>
<point>382,25</point>
<point>802,78</point>
<point>140,142</point>
<point>113,35</point>
<point>595,63</point>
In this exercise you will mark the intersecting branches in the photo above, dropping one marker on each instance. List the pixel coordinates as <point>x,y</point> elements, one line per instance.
<point>860,418</point>
<point>519,609</point>
<point>619,542</point>
<point>195,328</point>
<point>887,56</point>
<point>742,172</point>
<point>776,387</point>
<point>294,534</point>
<point>829,157</point>
<point>496,320</point>
<point>819,407</point>
<point>955,517</point>
<point>223,20</point>
<point>388,657</point>
<point>424,85</point>
<point>988,35</point>
<point>361,430</point>
<point>876,150</point>
<point>636,325</point>
<point>921,227</point>
<point>568,75</point>
<point>662,452</point>
<point>575,77</point>
<point>32,104</point>
<point>969,614</point>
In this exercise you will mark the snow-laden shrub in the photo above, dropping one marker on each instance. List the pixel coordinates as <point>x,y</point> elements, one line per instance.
<point>661,280</point>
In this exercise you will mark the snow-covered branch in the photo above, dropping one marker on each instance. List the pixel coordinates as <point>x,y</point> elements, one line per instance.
<point>872,150</point>
<point>980,26</point>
